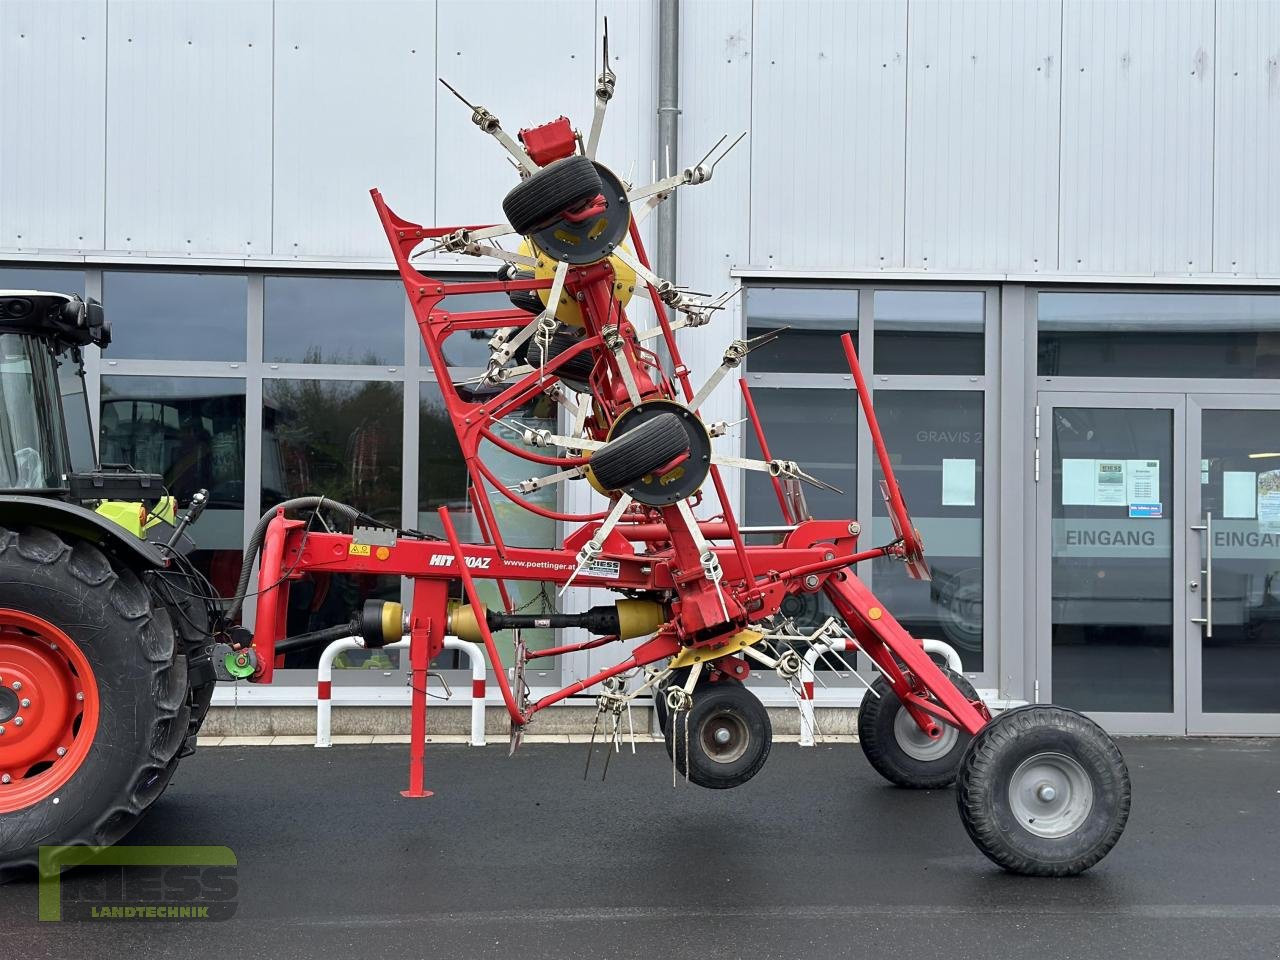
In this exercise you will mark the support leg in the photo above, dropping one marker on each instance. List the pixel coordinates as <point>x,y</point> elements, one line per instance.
<point>426,640</point>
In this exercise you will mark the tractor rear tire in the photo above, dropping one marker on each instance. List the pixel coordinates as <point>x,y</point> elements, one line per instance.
<point>558,187</point>
<point>899,750</point>
<point>728,736</point>
<point>1043,791</point>
<point>641,450</point>
<point>106,684</point>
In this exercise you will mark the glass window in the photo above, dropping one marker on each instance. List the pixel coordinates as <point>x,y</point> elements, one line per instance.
<point>176,316</point>
<point>442,474</point>
<point>935,443</point>
<point>343,439</point>
<point>816,318</point>
<point>41,278</point>
<point>929,331</point>
<point>340,438</point>
<point>333,320</point>
<point>467,348</point>
<point>1111,573</point>
<point>191,430</point>
<point>443,481</point>
<point>1159,335</point>
<point>818,430</point>
<point>75,412</point>
<point>32,456</point>
<point>1239,480</point>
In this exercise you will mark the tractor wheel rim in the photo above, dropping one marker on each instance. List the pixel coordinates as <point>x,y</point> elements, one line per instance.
<point>1050,795</point>
<point>917,744</point>
<point>51,704</point>
<point>725,737</point>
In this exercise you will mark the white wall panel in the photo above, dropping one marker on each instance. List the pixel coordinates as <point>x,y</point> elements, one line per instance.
<point>628,142</point>
<point>983,79</point>
<point>189,127</point>
<point>529,63</point>
<point>52,89</point>
<point>1137,136</point>
<point>1247,139</point>
<point>354,108</point>
<point>827,143</point>
<point>713,219</point>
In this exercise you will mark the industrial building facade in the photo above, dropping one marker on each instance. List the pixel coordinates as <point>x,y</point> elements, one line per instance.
<point>1049,225</point>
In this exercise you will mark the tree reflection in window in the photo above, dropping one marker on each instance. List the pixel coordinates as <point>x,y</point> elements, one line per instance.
<point>343,440</point>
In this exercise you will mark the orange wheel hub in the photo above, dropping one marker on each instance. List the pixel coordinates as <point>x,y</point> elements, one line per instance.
<point>48,709</point>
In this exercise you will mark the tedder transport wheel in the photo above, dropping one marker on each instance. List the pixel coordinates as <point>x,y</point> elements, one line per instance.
<point>896,746</point>
<point>1043,791</point>
<point>677,679</point>
<point>728,736</point>
<point>639,451</point>
<point>94,700</point>
<point>558,187</point>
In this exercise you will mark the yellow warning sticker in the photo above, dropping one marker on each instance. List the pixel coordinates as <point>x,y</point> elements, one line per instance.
<point>359,550</point>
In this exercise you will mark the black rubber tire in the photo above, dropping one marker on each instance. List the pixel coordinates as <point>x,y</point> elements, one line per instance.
<point>988,765</point>
<point>641,450</point>
<point>141,677</point>
<point>877,735</point>
<point>558,187</point>
<point>191,624</point>
<point>576,372</point>
<point>526,300</point>
<point>677,679</point>
<point>719,704</point>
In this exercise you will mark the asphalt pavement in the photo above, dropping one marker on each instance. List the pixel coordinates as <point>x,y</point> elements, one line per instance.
<point>815,857</point>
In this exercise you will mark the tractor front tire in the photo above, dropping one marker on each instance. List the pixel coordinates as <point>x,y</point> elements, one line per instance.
<point>94,704</point>
<point>899,750</point>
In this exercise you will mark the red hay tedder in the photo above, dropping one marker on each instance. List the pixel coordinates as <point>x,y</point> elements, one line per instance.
<point>111,640</point>
<point>1041,789</point>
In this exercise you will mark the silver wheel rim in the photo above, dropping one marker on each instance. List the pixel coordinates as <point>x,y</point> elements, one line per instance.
<point>725,737</point>
<point>1050,795</point>
<point>917,744</point>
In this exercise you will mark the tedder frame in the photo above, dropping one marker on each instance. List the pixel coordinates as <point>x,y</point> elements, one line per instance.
<point>1041,789</point>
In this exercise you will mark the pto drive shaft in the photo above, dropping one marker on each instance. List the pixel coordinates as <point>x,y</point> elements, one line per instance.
<point>625,619</point>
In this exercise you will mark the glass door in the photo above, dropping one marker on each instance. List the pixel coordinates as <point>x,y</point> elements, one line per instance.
<point>1233,562</point>
<point>1111,558</point>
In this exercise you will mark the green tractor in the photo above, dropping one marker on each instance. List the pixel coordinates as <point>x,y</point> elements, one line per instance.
<point>105,625</point>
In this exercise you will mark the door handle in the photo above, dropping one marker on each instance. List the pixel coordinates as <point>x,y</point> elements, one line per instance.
<point>1207,619</point>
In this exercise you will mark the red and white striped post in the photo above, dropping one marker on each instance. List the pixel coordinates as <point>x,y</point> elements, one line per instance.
<point>808,727</point>
<point>324,684</point>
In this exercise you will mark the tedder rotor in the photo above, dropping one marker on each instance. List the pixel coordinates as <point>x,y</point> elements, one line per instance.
<point>1041,789</point>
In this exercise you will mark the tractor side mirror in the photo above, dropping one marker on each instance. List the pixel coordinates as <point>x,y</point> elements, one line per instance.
<point>96,321</point>
<point>86,322</point>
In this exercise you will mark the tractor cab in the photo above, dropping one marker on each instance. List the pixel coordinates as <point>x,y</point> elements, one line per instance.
<point>45,436</point>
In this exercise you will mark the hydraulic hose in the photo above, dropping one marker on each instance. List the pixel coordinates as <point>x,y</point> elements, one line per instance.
<point>260,533</point>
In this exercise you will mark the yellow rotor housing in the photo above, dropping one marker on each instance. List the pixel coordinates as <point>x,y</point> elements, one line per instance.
<point>568,311</point>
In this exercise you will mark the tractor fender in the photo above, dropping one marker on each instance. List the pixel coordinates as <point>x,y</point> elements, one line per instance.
<point>78,521</point>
